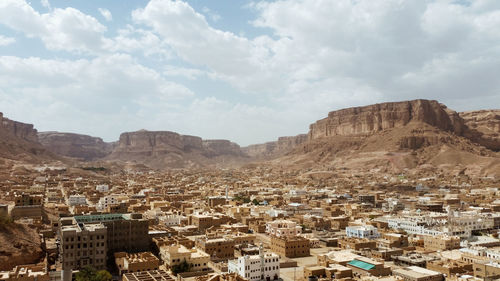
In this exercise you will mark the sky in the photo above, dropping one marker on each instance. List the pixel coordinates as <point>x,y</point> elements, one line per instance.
<point>247,71</point>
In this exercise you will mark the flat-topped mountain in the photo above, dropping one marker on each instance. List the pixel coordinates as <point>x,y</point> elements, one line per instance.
<point>399,136</point>
<point>75,145</point>
<point>274,148</point>
<point>374,118</point>
<point>162,149</point>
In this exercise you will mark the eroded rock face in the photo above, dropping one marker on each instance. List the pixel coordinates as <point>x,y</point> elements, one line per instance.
<point>156,142</point>
<point>18,129</point>
<point>373,118</point>
<point>75,145</point>
<point>170,149</point>
<point>221,147</point>
<point>275,148</point>
<point>484,127</point>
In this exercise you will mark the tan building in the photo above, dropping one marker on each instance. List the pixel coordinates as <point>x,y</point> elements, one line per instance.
<point>441,242</point>
<point>82,244</point>
<point>152,275</point>
<point>290,247</point>
<point>203,221</point>
<point>218,248</point>
<point>487,270</point>
<point>144,261</point>
<point>362,266</point>
<point>357,243</point>
<point>450,267</point>
<point>28,200</point>
<point>415,273</point>
<point>25,273</point>
<point>27,206</point>
<point>176,254</point>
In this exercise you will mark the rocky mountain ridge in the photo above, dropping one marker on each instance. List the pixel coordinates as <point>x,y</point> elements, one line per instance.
<point>274,148</point>
<point>170,149</point>
<point>76,145</point>
<point>19,142</point>
<point>410,128</point>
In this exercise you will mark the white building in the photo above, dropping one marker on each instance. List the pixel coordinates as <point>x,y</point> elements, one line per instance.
<point>102,188</point>
<point>76,200</point>
<point>109,200</point>
<point>362,231</point>
<point>283,228</point>
<point>264,266</point>
<point>171,219</point>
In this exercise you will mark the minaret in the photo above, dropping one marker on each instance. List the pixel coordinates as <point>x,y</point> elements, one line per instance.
<point>227,192</point>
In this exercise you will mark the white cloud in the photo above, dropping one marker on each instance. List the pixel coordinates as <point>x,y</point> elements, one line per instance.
<point>213,15</point>
<point>46,4</point>
<point>106,14</point>
<point>104,84</point>
<point>236,59</point>
<point>61,29</point>
<point>320,55</point>
<point>5,41</point>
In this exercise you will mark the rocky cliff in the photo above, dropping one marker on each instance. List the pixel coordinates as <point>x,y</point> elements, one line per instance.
<point>370,119</point>
<point>164,149</point>
<point>21,130</point>
<point>75,145</point>
<point>274,148</point>
<point>483,127</point>
<point>402,136</point>
<point>19,142</point>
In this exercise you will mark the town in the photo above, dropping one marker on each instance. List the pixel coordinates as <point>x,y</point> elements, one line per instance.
<point>248,224</point>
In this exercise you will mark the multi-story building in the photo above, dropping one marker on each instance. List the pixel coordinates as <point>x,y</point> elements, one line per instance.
<point>283,228</point>
<point>81,244</point>
<point>217,248</point>
<point>292,247</point>
<point>203,221</point>
<point>102,187</point>
<point>441,242</point>
<point>125,232</point>
<point>76,200</point>
<point>27,205</point>
<point>113,199</point>
<point>487,270</point>
<point>362,231</point>
<point>264,266</point>
<point>28,200</point>
<point>176,254</point>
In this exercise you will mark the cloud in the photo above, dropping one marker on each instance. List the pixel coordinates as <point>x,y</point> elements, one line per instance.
<point>61,29</point>
<point>106,14</point>
<point>104,85</point>
<point>304,59</point>
<point>46,4</point>
<point>233,58</point>
<point>213,15</point>
<point>5,41</point>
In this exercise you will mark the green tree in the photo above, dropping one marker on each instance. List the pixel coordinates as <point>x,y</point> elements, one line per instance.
<point>90,274</point>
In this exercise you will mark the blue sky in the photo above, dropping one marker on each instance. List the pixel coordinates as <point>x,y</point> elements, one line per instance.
<point>248,71</point>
